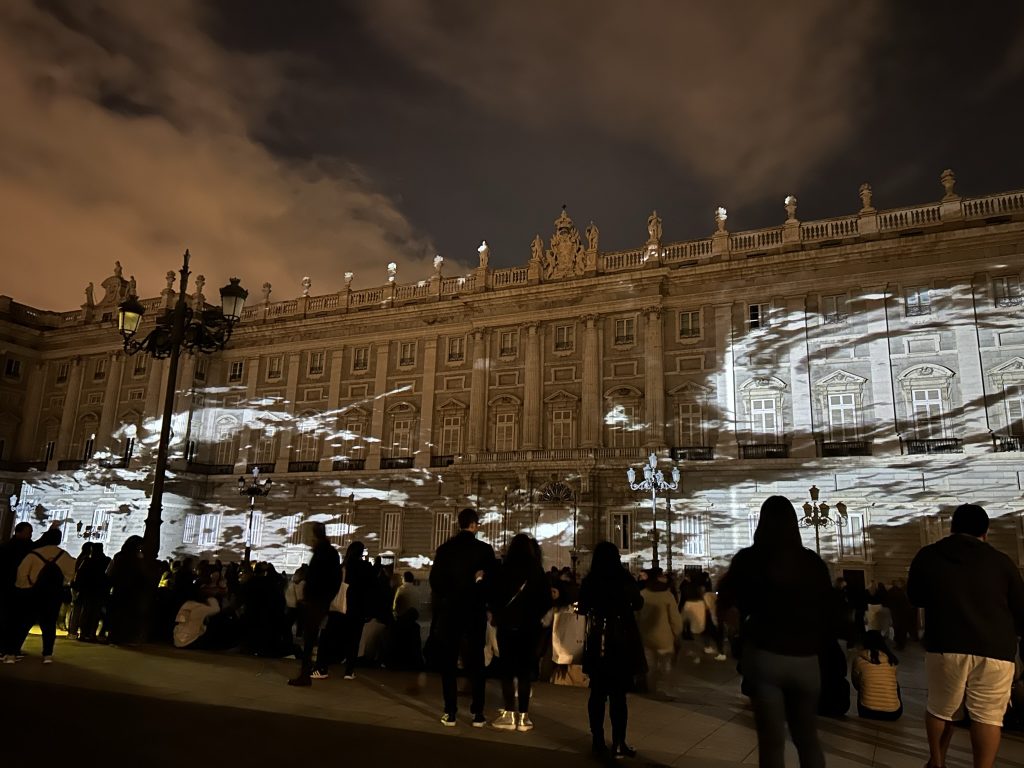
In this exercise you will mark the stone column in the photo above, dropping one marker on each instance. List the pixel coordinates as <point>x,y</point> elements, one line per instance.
<point>654,379</point>
<point>726,442</point>
<point>533,388</point>
<point>68,412</point>
<point>973,427</point>
<point>333,405</point>
<point>26,446</point>
<point>111,401</point>
<point>590,406</point>
<point>802,427</point>
<point>289,433</point>
<point>246,450</point>
<point>425,450</point>
<point>380,385</point>
<point>478,395</point>
<point>878,412</point>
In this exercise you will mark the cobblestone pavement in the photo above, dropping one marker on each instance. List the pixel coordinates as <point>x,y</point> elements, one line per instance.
<point>699,717</point>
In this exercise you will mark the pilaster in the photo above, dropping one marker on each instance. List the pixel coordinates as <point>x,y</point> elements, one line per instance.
<point>68,412</point>
<point>532,389</point>
<point>104,432</point>
<point>26,446</point>
<point>654,378</point>
<point>428,384</point>
<point>478,394</point>
<point>590,407</point>
<point>380,384</point>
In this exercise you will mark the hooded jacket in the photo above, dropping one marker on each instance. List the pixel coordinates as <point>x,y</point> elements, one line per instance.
<point>973,597</point>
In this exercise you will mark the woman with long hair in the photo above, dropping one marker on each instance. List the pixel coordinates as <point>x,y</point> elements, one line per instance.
<point>781,590</point>
<point>518,601</point>
<point>874,677</point>
<point>357,574</point>
<point>613,653</point>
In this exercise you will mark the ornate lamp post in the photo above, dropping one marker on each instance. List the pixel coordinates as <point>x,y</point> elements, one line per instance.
<point>654,481</point>
<point>207,331</point>
<point>817,515</point>
<point>254,489</point>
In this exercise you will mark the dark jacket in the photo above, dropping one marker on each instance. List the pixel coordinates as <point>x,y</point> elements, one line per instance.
<point>972,595</point>
<point>520,600</point>
<point>783,598</point>
<point>323,575</point>
<point>453,575</point>
<point>613,647</point>
<point>362,587</point>
<point>12,552</point>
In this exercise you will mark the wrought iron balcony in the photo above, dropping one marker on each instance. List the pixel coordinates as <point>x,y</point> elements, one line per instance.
<point>396,462</point>
<point>22,466</point>
<point>265,467</point>
<point>348,465</point>
<point>693,453</point>
<point>71,464</point>
<point>442,461</point>
<point>918,311</point>
<point>624,340</point>
<point>832,448</point>
<point>507,352</point>
<point>1006,443</point>
<point>303,466</point>
<point>564,346</point>
<point>764,451</point>
<point>1009,301</point>
<point>209,469</point>
<point>938,445</point>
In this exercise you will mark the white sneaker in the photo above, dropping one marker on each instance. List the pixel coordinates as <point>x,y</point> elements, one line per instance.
<point>505,721</point>
<point>350,677</point>
<point>523,722</point>
<point>721,657</point>
<point>47,659</point>
<point>708,650</point>
<point>8,659</point>
<point>316,674</point>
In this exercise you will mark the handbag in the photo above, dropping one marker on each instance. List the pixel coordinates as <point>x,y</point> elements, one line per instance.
<point>568,633</point>
<point>340,602</point>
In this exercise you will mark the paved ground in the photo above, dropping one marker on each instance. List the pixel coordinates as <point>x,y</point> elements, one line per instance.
<point>175,706</point>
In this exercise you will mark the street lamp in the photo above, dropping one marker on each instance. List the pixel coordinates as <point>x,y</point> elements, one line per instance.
<point>654,481</point>
<point>817,515</point>
<point>207,331</point>
<point>254,489</point>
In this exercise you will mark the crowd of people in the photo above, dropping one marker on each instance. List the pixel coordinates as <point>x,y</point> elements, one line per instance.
<point>776,611</point>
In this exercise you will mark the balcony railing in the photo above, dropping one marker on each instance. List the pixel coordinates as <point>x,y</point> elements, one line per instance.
<point>265,467</point>
<point>563,346</point>
<point>919,311</point>
<point>396,462</point>
<point>1009,301</point>
<point>71,464</point>
<point>303,466</point>
<point>764,451</point>
<point>22,466</point>
<point>442,461</point>
<point>1004,443</point>
<point>209,469</point>
<point>348,465</point>
<point>624,340</point>
<point>833,448</point>
<point>939,445</point>
<point>119,463</point>
<point>693,453</point>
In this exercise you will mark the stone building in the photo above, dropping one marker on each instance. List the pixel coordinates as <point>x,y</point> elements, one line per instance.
<point>878,356</point>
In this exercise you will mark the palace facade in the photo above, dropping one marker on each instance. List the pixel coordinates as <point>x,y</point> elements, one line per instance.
<point>878,356</point>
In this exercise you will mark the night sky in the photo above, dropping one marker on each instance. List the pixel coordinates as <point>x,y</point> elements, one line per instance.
<point>284,139</point>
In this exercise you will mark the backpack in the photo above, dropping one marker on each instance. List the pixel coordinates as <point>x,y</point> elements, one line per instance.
<point>51,578</point>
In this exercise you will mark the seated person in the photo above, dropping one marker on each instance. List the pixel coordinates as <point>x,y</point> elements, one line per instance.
<point>191,622</point>
<point>874,677</point>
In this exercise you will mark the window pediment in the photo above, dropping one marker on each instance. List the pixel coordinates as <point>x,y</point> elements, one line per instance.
<point>452,405</point>
<point>402,408</point>
<point>1010,372</point>
<point>690,390</point>
<point>505,401</point>
<point>561,396</point>
<point>623,392</point>
<point>763,383</point>
<point>841,381</point>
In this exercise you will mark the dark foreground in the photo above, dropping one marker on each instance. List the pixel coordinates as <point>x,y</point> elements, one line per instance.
<point>50,725</point>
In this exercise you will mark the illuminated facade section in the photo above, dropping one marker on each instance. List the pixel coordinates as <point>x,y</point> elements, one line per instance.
<point>879,356</point>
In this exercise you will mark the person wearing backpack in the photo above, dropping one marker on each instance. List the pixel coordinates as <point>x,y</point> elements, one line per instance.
<point>42,574</point>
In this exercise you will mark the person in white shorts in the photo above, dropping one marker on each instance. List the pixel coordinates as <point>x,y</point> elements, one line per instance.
<point>973,598</point>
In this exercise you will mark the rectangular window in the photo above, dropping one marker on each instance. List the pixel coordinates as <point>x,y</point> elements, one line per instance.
<point>763,418</point>
<point>100,371</point>
<point>12,368</point>
<point>407,353</point>
<point>235,370</point>
<point>136,394</point>
<point>935,527</point>
<point>59,515</point>
<point>621,533</point>
<point>275,366</point>
<point>361,359</point>
<point>353,439</point>
<point>48,450</point>
<point>928,413</point>
<point>254,537</point>
<point>758,316</point>
<point>140,366</point>
<point>694,535</point>
<point>95,398</point>
<point>753,518</point>
<point>62,372</point>
<point>625,330</point>
<point>226,451</point>
<point>456,349</point>
<point>565,340</point>
<point>509,344</point>
<point>451,434</point>
<point>505,432</point>
<point>918,301</point>
<point>1014,397</point>
<point>99,529</point>
<point>340,533</point>
<point>851,537</point>
<point>200,373</point>
<point>265,446</point>
<point>833,308</point>
<point>129,450</point>
<point>294,530</point>
<point>209,529</point>
<point>621,421</point>
<point>316,363</point>
<point>190,531</point>
<point>391,535</point>
<point>842,416</point>
<point>444,524</point>
<point>690,425</point>
<point>401,437</point>
<point>689,325</point>
<point>562,432</point>
<point>87,448</point>
<point>1007,291</point>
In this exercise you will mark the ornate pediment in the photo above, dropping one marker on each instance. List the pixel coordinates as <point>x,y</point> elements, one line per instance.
<point>623,391</point>
<point>452,405</point>
<point>840,379</point>
<point>763,382</point>
<point>565,257</point>
<point>1012,371</point>
<point>561,396</point>
<point>690,390</point>
<point>926,371</point>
